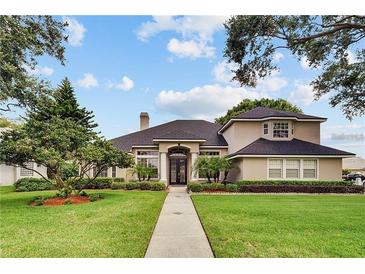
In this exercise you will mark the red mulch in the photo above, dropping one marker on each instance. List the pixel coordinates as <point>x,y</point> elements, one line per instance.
<point>61,201</point>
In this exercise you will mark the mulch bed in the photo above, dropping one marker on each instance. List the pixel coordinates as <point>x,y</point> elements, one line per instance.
<point>58,201</point>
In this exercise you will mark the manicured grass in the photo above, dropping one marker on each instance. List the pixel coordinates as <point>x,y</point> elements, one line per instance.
<point>118,226</point>
<point>284,225</point>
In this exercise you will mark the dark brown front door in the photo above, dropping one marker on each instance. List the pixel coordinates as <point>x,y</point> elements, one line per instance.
<point>178,171</point>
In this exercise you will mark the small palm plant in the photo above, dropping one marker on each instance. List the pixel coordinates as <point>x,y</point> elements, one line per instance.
<point>143,171</point>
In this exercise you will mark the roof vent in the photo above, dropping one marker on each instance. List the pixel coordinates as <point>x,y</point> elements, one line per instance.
<point>144,120</point>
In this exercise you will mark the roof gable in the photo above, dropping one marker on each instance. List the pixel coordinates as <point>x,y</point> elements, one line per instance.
<point>178,129</point>
<point>294,147</point>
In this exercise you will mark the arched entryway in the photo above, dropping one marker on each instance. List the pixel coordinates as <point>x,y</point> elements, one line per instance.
<point>178,159</point>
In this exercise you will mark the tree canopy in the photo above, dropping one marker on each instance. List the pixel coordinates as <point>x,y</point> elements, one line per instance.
<point>247,104</point>
<point>22,40</point>
<point>326,42</point>
<point>58,134</point>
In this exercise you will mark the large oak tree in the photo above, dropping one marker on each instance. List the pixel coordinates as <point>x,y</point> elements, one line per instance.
<point>325,41</point>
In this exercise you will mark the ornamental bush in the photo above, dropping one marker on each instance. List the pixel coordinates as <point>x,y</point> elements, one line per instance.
<point>132,185</point>
<point>119,180</point>
<point>119,185</point>
<point>145,186</point>
<point>157,186</point>
<point>195,187</point>
<point>214,187</point>
<point>32,184</point>
<point>294,182</point>
<point>300,189</point>
<point>231,187</point>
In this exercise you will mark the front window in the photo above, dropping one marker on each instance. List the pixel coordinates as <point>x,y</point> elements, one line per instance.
<point>266,128</point>
<point>102,173</point>
<point>25,172</point>
<point>309,169</point>
<point>114,171</point>
<point>281,130</point>
<point>275,168</point>
<point>292,169</point>
<point>149,158</point>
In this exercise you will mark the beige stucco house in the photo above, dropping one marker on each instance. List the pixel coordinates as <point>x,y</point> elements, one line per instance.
<point>263,143</point>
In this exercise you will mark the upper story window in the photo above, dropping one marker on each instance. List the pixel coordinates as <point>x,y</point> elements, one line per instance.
<point>266,128</point>
<point>281,130</point>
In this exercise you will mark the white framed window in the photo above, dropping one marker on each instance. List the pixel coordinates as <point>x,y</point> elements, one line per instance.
<point>275,168</point>
<point>281,130</point>
<point>24,172</point>
<point>266,128</point>
<point>102,173</point>
<point>149,158</point>
<point>114,171</point>
<point>309,169</point>
<point>292,168</point>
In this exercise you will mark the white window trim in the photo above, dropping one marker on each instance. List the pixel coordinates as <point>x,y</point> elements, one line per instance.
<point>157,156</point>
<point>300,169</point>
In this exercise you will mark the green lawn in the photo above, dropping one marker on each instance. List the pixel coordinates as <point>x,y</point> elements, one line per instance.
<point>284,225</point>
<point>118,226</point>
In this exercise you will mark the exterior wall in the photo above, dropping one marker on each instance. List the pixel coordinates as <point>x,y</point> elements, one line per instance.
<point>241,134</point>
<point>330,169</point>
<point>10,174</point>
<point>235,174</point>
<point>254,168</point>
<point>308,131</point>
<point>7,175</point>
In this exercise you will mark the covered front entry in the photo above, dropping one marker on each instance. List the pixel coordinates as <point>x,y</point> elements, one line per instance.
<point>178,166</point>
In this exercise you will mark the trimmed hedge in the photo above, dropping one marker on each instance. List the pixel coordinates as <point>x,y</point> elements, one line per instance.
<point>32,184</point>
<point>294,182</point>
<point>300,189</point>
<point>194,187</point>
<point>119,180</point>
<point>214,187</point>
<point>119,185</point>
<point>154,186</point>
<point>97,183</point>
<point>231,188</point>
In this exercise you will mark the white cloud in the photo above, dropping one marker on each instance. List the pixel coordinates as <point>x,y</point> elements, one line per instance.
<point>278,56</point>
<point>351,57</point>
<point>206,102</point>
<point>302,94</point>
<point>75,31</point>
<point>196,32</point>
<point>222,72</point>
<point>39,70</point>
<point>304,63</point>
<point>88,81</point>
<point>348,136</point>
<point>190,49</point>
<point>202,27</point>
<point>272,83</point>
<point>126,84</point>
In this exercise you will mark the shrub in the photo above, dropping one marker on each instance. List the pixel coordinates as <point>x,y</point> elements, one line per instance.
<point>195,187</point>
<point>68,201</point>
<point>231,187</point>
<point>300,189</point>
<point>95,196</point>
<point>38,201</point>
<point>118,180</point>
<point>97,183</point>
<point>119,185</point>
<point>157,186</point>
<point>32,184</point>
<point>294,182</point>
<point>214,187</point>
<point>131,186</point>
<point>145,185</point>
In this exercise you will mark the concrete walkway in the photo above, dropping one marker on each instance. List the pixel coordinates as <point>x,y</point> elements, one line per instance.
<point>178,232</point>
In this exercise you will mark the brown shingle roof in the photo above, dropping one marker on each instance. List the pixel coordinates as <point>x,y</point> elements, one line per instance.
<point>294,147</point>
<point>178,129</point>
<point>263,112</point>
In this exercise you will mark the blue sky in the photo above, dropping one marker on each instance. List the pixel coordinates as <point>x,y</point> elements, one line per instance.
<point>173,68</point>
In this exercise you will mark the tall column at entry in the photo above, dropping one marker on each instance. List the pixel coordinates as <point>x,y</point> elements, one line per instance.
<point>194,156</point>
<point>163,167</point>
